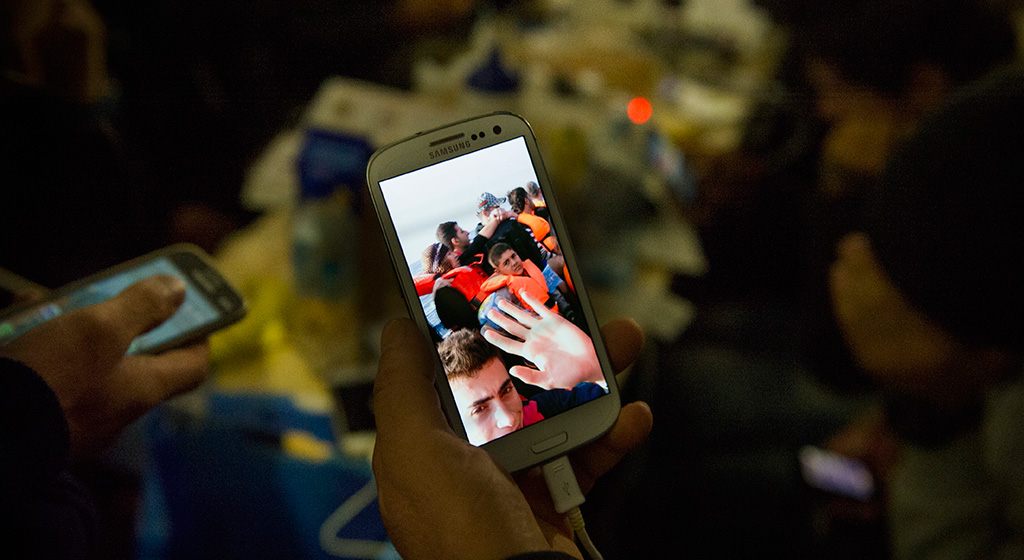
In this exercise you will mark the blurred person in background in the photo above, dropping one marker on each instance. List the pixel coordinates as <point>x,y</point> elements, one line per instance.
<point>732,389</point>
<point>69,208</point>
<point>127,126</point>
<point>876,68</point>
<point>854,78</point>
<point>206,85</point>
<point>929,299</point>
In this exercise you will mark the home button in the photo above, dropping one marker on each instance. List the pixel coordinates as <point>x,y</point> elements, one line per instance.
<point>551,442</point>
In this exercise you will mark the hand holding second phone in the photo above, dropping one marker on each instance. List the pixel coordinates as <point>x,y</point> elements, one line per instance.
<point>81,356</point>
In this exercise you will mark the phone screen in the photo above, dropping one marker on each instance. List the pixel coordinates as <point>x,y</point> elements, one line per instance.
<point>835,473</point>
<point>487,284</point>
<point>195,312</point>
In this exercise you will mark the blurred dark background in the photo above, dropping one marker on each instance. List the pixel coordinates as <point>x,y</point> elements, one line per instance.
<point>197,89</point>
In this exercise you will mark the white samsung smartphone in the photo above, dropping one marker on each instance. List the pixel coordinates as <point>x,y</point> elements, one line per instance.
<point>521,369</point>
<point>211,303</point>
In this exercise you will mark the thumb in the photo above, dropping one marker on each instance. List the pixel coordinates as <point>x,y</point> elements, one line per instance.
<point>145,304</point>
<point>404,398</point>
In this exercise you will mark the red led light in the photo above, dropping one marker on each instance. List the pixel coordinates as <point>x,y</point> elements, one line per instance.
<point>639,110</point>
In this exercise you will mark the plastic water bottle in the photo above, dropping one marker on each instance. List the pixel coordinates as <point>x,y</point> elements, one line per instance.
<point>324,325</point>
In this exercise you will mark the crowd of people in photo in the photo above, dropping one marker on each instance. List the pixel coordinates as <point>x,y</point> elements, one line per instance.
<point>511,339</point>
<point>510,251</point>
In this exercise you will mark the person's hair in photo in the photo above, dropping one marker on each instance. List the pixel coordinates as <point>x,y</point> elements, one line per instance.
<point>445,233</point>
<point>465,352</point>
<point>428,256</point>
<point>517,197</point>
<point>497,250</point>
<point>433,259</point>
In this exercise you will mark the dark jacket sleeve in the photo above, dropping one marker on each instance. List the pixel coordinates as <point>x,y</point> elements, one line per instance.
<point>477,247</point>
<point>33,430</point>
<point>42,508</point>
<point>554,401</point>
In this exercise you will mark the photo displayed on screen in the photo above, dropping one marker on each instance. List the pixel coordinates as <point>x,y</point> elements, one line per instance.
<point>493,284</point>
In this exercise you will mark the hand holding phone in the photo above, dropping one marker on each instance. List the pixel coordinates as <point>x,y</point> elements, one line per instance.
<point>82,357</point>
<point>210,301</point>
<point>499,214</point>
<point>428,186</point>
<point>462,480</point>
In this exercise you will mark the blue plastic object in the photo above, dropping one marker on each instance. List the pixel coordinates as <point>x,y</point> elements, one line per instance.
<point>494,76</point>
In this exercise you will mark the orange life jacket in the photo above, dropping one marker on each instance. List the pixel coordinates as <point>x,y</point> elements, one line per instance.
<point>424,283</point>
<point>533,283</point>
<point>466,279</point>
<point>540,227</point>
<point>542,232</point>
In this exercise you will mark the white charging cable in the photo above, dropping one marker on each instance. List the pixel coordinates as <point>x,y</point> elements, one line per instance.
<point>567,498</point>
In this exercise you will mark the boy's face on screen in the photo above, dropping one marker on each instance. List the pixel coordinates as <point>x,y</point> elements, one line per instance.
<point>488,403</point>
<point>510,263</point>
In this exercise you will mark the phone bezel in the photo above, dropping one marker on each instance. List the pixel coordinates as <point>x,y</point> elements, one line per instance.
<point>191,261</point>
<point>581,424</point>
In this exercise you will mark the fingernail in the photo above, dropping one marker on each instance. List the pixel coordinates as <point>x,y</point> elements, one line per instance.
<point>174,287</point>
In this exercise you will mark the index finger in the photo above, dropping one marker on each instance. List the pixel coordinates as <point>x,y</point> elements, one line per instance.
<point>536,304</point>
<point>629,431</point>
<point>624,340</point>
<point>404,398</point>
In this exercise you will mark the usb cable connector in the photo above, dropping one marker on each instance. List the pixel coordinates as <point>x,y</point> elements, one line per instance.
<point>567,498</point>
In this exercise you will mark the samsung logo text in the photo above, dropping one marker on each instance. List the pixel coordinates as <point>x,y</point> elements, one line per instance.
<point>447,150</point>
